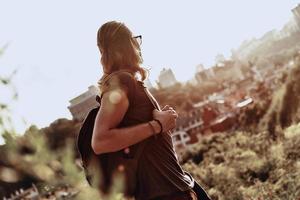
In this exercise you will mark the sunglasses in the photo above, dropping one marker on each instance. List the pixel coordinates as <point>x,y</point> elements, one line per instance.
<point>138,38</point>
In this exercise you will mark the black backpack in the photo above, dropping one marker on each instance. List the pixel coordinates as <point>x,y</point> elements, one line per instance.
<point>100,169</point>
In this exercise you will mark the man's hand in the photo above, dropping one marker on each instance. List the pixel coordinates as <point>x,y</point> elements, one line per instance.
<point>167,116</point>
<point>167,107</point>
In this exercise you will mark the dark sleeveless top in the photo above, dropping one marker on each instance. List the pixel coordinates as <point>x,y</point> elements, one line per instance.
<point>159,172</point>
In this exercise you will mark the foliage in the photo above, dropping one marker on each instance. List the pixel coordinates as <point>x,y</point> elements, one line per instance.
<point>285,106</point>
<point>262,164</point>
<point>5,119</point>
<point>243,165</point>
<point>45,157</point>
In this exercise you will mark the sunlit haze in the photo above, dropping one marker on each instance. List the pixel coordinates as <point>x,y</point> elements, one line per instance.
<point>53,44</point>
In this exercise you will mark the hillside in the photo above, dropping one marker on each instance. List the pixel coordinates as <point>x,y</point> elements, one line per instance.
<point>243,165</point>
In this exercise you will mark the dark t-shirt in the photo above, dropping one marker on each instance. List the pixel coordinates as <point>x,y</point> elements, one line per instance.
<point>159,172</point>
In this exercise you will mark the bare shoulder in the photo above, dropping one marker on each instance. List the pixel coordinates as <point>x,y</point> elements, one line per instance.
<point>122,80</point>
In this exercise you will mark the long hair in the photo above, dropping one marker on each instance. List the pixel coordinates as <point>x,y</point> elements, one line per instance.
<point>119,50</point>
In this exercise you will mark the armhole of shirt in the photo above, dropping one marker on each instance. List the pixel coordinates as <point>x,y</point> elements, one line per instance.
<point>123,81</point>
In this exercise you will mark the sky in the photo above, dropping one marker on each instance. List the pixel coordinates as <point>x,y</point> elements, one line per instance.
<point>52,44</point>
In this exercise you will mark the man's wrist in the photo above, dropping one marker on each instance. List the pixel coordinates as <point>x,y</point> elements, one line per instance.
<point>152,126</point>
<point>157,126</point>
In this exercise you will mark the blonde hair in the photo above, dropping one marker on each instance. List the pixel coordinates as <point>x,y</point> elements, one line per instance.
<point>119,50</point>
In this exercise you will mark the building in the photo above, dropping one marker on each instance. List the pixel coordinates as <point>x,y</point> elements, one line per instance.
<point>199,68</point>
<point>166,78</point>
<point>180,139</point>
<point>203,75</point>
<point>296,12</point>
<point>193,81</point>
<point>289,29</point>
<point>292,26</point>
<point>82,104</point>
<point>230,71</point>
<point>257,75</point>
<point>187,127</point>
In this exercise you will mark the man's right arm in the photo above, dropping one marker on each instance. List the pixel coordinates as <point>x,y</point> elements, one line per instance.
<point>108,138</point>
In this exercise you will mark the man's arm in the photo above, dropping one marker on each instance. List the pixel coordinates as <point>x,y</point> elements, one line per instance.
<point>108,138</point>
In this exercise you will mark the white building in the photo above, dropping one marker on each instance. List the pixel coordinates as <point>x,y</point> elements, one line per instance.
<point>180,139</point>
<point>257,74</point>
<point>204,75</point>
<point>289,28</point>
<point>193,81</point>
<point>296,12</point>
<point>166,78</point>
<point>82,104</point>
<point>231,70</point>
<point>199,68</point>
<point>187,127</point>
